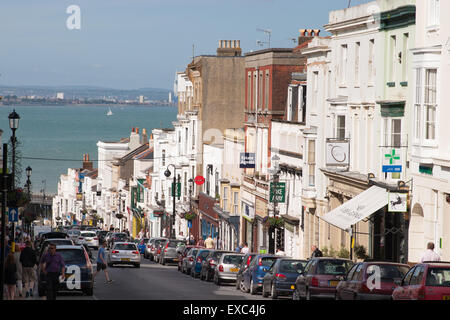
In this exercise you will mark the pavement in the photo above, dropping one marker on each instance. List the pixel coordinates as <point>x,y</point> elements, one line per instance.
<point>153,281</point>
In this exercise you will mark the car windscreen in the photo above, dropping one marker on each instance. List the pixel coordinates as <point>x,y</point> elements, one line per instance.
<point>438,277</point>
<point>333,267</point>
<point>120,235</point>
<point>268,261</point>
<point>158,242</point>
<point>73,256</point>
<point>59,242</point>
<point>125,246</point>
<point>217,254</point>
<point>232,259</point>
<point>387,272</point>
<point>174,244</point>
<point>89,234</point>
<point>204,254</point>
<point>292,266</point>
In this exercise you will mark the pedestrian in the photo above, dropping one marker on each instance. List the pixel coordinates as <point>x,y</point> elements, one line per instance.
<point>201,242</point>
<point>29,261</point>
<point>18,270</point>
<point>280,252</point>
<point>180,236</point>
<point>238,248</point>
<point>245,249</point>
<point>101,262</point>
<point>430,255</point>
<point>209,243</point>
<point>315,252</point>
<point>191,240</point>
<point>111,228</point>
<point>10,276</point>
<point>52,266</point>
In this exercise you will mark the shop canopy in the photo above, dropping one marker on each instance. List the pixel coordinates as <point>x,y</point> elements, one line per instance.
<point>358,208</point>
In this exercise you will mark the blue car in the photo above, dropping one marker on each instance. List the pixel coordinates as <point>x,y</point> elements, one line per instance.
<point>281,277</point>
<point>142,244</point>
<point>197,267</point>
<point>254,275</point>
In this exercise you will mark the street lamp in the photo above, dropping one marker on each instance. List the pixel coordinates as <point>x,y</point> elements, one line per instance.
<point>28,171</point>
<point>167,173</point>
<point>275,173</point>
<point>14,125</point>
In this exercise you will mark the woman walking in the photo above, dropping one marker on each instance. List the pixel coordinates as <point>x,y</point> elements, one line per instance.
<point>10,276</point>
<point>18,269</point>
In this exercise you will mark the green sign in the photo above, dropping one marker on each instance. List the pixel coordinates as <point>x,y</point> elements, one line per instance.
<point>278,192</point>
<point>392,156</point>
<point>178,189</point>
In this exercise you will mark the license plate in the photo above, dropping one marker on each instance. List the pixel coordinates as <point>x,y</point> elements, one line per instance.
<point>175,259</point>
<point>125,259</point>
<point>234,269</point>
<point>445,297</point>
<point>333,283</point>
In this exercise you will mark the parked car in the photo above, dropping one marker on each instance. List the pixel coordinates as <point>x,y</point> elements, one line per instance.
<point>124,253</point>
<point>182,253</point>
<point>281,277</point>
<point>50,235</point>
<point>209,264</point>
<point>244,265</point>
<point>320,278</point>
<point>357,284</point>
<point>118,237</point>
<point>101,234</point>
<point>73,255</point>
<point>91,239</point>
<point>227,267</point>
<point>169,250</point>
<point>425,281</point>
<point>197,264</point>
<point>254,275</point>
<point>189,259</point>
<point>142,244</point>
<point>153,250</point>
<point>56,241</point>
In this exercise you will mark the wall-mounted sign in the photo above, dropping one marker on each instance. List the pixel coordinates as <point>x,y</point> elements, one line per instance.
<point>247,160</point>
<point>277,192</point>
<point>199,180</point>
<point>389,168</point>
<point>398,202</point>
<point>337,152</point>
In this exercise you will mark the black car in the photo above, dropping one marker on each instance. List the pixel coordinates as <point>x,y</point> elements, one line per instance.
<point>50,235</point>
<point>281,277</point>
<point>210,263</point>
<point>101,234</point>
<point>76,260</point>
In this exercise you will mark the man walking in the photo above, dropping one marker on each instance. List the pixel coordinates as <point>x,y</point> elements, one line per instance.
<point>101,262</point>
<point>52,266</point>
<point>28,260</point>
<point>315,252</point>
<point>430,255</point>
<point>245,249</point>
<point>209,243</point>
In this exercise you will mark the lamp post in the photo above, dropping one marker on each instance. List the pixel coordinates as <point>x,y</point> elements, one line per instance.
<point>191,188</point>
<point>28,171</point>
<point>14,125</point>
<point>167,173</point>
<point>276,177</point>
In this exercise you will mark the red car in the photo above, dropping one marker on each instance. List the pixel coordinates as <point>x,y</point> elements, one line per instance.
<point>361,282</point>
<point>425,281</point>
<point>320,278</point>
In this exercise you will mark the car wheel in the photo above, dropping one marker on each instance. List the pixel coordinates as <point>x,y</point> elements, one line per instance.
<point>243,288</point>
<point>273,292</point>
<point>238,284</point>
<point>163,261</point>
<point>264,293</point>
<point>137,265</point>
<point>252,288</point>
<point>296,295</point>
<point>88,291</point>
<point>218,282</point>
<point>336,296</point>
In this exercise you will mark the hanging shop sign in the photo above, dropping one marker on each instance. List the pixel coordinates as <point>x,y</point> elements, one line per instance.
<point>247,160</point>
<point>398,202</point>
<point>337,152</point>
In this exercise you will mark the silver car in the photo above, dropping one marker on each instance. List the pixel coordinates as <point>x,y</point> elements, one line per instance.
<point>228,267</point>
<point>124,253</point>
<point>169,251</point>
<point>91,239</point>
<point>76,236</point>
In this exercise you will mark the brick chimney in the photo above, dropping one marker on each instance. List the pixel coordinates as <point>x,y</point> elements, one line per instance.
<point>144,138</point>
<point>135,140</point>
<point>229,48</point>
<point>307,35</point>
<point>87,165</point>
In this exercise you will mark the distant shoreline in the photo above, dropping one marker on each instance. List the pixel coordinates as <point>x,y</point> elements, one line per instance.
<point>88,104</point>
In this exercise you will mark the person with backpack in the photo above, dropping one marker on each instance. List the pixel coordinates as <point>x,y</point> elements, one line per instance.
<point>29,261</point>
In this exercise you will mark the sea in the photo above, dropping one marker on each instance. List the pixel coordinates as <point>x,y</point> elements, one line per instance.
<point>54,138</point>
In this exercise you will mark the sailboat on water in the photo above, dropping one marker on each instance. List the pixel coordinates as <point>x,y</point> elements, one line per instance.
<point>109,113</point>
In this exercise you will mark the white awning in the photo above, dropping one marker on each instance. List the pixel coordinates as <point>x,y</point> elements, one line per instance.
<point>358,208</point>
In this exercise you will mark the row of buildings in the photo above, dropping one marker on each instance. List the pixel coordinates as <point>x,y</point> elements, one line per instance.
<point>339,142</point>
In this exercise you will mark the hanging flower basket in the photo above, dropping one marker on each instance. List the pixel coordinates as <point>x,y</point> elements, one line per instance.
<point>275,222</point>
<point>190,216</point>
<point>17,198</point>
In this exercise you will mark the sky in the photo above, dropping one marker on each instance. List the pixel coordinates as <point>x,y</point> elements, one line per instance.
<point>131,44</point>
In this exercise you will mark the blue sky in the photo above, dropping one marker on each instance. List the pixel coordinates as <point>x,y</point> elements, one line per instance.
<point>129,44</point>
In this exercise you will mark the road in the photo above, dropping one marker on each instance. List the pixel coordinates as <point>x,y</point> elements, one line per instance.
<point>153,281</point>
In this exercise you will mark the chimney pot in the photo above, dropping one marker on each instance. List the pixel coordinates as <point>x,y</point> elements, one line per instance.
<point>137,130</point>
<point>238,43</point>
<point>316,32</point>
<point>302,32</point>
<point>309,32</point>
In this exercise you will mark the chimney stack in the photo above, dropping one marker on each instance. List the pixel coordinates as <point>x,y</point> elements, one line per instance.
<point>87,165</point>
<point>307,35</point>
<point>144,138</point>
<point>229,48</point>
<point>134,139</point>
